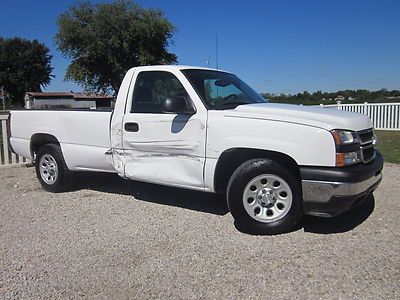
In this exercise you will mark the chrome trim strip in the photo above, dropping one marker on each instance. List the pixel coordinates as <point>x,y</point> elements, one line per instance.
<point>367,142</point>
<point>323,191</point>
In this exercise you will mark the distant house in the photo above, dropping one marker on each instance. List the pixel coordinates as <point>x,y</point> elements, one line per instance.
<point>39,100</point>
<point>339,98</point>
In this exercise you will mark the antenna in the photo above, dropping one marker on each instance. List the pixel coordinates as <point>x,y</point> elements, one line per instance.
<point>216,49</point>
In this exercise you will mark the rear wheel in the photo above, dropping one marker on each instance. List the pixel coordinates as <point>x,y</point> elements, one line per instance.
<point>264,197</point>
<point>51,170</point>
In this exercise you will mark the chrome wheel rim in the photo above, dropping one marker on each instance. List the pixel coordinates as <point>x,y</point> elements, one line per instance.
<point>48,169</point>
<point>267,198</point>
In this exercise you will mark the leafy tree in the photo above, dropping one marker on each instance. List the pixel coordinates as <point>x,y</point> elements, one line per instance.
<point>104,40</point>
<point>24,66</point>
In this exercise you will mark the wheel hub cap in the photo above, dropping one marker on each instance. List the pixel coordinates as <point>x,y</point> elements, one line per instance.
<point>266,197</point>
<point>48,169</point>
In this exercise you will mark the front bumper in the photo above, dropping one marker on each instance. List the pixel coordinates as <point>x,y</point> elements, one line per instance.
<point>330,191</point>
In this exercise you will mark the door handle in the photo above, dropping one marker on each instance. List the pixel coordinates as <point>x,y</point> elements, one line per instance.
<point>133,127</point>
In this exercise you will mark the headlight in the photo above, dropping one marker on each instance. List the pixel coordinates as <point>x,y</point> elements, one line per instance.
<point>344,137</point>
<point>347,147</point>
<point>348,158</point>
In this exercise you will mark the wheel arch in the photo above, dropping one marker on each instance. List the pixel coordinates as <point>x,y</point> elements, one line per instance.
<point>232,158</point>
<point>40,139</point>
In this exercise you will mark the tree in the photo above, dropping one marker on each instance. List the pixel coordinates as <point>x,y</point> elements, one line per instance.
<point>104,40</point>
<point>24,66</point>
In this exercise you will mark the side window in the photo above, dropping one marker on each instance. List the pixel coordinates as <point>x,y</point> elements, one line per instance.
<point>152,87</point>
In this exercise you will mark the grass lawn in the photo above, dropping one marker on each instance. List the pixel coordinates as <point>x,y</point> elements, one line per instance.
<point>389,145</point>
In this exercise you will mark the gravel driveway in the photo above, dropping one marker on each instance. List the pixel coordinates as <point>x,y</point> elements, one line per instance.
<point>112,238</point>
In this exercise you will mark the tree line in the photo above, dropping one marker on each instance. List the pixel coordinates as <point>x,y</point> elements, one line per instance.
<point>344,96</point>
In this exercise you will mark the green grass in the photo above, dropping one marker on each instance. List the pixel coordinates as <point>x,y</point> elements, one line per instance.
<point>389,145</point>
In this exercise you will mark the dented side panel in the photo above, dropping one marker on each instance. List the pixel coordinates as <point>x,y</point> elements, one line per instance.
<point>167,149</point>
<point>177,170</point>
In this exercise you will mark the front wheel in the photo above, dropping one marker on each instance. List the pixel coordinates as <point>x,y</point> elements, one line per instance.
<point>51,170</point>
<point>264,197</point>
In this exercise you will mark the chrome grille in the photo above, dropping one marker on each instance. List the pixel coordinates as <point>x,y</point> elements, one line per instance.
<point>367,145</point>
<point>366,136</point>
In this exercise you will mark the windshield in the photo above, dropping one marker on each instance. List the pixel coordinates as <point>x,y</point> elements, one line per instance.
<point>220,90</point>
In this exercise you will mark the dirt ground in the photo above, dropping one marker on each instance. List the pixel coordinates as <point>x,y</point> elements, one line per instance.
<point>111,238</point>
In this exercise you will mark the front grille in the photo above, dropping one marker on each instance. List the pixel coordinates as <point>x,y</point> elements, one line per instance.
<point>368,154</point>
<point>366,136</point>
<point>367,145</point>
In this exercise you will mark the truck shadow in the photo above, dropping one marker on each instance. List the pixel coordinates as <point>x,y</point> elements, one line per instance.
<point>341,223</point>
<point>112,183</point>
<point>213,203</point>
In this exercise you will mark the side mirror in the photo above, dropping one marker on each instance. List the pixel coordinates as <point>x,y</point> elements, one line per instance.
<point>177,105</point>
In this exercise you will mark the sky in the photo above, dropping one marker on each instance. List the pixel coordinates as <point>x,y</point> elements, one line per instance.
<point>286,46</point>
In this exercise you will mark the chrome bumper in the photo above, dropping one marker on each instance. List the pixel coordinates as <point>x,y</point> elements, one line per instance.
<point>328,191</point>
<point>324,191</point>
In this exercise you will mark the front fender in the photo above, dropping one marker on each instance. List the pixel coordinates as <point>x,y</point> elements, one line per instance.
<point>307,145</point>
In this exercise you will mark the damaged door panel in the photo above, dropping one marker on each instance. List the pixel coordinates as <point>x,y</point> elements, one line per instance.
<point>166,147</point>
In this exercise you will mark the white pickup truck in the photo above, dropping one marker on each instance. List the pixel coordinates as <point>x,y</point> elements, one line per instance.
<point>206,130</point>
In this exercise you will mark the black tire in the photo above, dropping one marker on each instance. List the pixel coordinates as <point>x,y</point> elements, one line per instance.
<point>63,179</point>
<point>240,179</point>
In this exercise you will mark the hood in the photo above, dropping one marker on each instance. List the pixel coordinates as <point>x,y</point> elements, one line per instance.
<point>326,118</point>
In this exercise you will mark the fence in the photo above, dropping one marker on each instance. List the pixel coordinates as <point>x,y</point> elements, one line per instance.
<point>6,157</point>
<point>384,116</point>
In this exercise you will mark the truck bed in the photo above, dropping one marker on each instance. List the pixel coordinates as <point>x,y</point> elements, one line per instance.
<point>84,135</point>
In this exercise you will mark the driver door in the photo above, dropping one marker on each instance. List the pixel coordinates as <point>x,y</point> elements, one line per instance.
<point>159,147</point>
